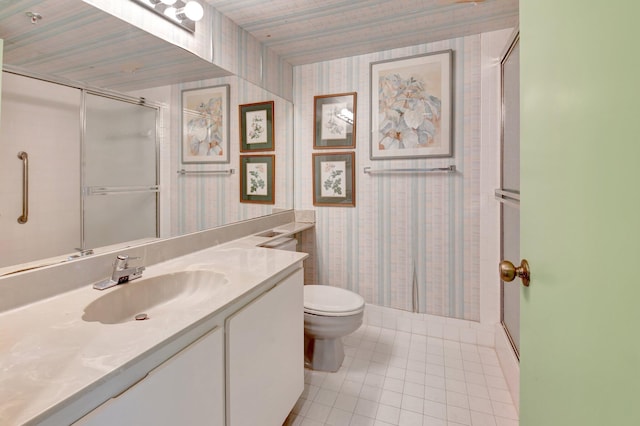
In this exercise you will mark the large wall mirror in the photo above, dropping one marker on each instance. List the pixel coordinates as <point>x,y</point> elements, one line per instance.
<point>139,142</point>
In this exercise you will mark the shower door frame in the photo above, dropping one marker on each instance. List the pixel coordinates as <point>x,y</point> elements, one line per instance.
<point>507,198</point>
<point>84,89</point>
<point>83,122</point>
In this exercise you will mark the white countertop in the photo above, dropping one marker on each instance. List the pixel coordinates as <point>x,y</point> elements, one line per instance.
<point>49,355</point>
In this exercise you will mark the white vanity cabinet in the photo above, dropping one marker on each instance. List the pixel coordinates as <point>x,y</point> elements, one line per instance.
<point>252,369</point>
<point>187,389</point>
<point>265,362</point>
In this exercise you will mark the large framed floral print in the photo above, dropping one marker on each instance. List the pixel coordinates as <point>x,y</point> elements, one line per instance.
<point>334,180</point>
<point>205,125</point>
<point>257,174</point>
<point>335,118</point>
<point>411,107</point>
<point>256,127</point>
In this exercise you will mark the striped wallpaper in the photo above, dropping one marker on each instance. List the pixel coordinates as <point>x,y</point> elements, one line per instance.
<point>404,228</point>
<point>205,201</point>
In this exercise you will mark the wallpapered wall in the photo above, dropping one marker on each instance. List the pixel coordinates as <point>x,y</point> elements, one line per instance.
<point>205,201</point>
<point>405,228</point>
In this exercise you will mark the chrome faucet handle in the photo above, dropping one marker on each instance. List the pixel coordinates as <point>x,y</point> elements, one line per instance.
<point>122,261</point>
<point>121,273</point>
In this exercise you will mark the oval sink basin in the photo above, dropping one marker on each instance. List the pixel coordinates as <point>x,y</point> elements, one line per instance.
<point>154,295</point>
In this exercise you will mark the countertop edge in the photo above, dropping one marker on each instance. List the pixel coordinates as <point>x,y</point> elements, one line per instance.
<point>91,395</point>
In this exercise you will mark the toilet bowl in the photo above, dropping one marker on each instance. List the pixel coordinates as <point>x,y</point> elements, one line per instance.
<point>329,314</point>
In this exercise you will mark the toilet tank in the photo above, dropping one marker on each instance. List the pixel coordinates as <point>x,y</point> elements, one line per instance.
<point>287,243</point>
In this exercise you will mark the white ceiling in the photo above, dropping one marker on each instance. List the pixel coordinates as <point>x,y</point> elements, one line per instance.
<point>80,43</point>
<point>77,42</point>
<point>307,31</point>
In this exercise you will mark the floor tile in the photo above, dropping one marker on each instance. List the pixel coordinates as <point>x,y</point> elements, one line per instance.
<point>388,414</point>
<point>409,418</point>
<point>393,377</point>
<point>338,417</point>
<point>392,398</point>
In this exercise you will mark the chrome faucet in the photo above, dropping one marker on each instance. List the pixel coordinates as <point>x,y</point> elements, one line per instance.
<point>81,253</point>
<point>121,274</point>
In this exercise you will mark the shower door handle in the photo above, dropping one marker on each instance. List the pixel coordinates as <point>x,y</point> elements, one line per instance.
<point>508,272</point>
<point>25,187</point>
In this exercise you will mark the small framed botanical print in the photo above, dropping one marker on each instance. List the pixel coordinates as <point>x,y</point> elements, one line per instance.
<point>256,127</point>
<point>257,174</point>
<point>334,182</point>
<point>335,118</point>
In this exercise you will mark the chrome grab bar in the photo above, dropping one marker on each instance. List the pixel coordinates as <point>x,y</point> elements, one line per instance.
<point>25,187</point>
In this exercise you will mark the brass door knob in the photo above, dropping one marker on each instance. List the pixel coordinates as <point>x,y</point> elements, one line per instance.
<point>508,272</point>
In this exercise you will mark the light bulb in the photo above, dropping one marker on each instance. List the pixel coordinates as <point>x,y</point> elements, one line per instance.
<point>170,12</point>
<point>194,11</point>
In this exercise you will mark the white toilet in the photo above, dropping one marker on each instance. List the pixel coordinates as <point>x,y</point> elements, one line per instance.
<point>329,314</point>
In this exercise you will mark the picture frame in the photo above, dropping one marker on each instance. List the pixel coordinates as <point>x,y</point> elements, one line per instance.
<point>257,126</point>
<point>335,120</point>
<point>334,179</point>
<point>205,124</point>
<point>411,107</point>
<point>257,178</point>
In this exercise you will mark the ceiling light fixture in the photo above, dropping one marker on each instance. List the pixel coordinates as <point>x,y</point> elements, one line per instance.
<point>192,10</point>
<point>183,13</point>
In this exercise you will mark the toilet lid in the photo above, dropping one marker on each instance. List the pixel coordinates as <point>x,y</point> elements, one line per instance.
<point>331,301</point>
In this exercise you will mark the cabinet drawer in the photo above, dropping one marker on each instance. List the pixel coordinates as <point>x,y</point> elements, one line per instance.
<point>187,389</point>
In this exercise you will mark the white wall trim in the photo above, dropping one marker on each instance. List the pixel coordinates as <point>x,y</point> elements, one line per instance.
<point>457,330</point>
<point>492,44</point>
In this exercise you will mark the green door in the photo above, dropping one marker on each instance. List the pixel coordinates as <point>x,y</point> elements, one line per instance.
<point>580,212</point>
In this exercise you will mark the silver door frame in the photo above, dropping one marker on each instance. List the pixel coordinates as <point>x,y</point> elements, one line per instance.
<point>107,94</point>
<point>510,198</point>
<point>83,122</point>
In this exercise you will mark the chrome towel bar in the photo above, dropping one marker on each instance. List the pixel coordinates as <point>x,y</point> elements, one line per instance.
<point>120,190</point>
<point>206,172</point>
<point>510,198</point>
<point>449,169</point>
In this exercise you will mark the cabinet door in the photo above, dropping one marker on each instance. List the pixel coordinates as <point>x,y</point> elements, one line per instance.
<point>265,361</point>
<point>188,389</point>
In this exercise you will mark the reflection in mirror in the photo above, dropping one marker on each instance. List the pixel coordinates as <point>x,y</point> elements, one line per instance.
<point>202,201</point>
<point>187,203</point>
<point>92,179</point>
<point>119,172</point>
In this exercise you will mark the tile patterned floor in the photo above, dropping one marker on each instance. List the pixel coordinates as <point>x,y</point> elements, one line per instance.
<point>396,378</point>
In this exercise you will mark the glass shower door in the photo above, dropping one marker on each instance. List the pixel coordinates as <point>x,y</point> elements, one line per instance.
<point>509,193</point>
<point>120,172</point>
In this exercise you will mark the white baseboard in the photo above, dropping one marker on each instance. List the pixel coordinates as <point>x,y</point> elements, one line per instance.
<point>509,363</point>
<point>458,330</point>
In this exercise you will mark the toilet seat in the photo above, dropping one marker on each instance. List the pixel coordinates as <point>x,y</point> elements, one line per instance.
<point>331,301</point>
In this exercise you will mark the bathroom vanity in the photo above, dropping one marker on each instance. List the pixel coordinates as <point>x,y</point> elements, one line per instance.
<point>221,344</point>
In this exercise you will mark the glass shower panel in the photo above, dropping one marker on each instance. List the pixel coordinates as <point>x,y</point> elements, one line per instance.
<point>510,189</point>
<point>511,121</point>
<point>511,291</point>
<point>119,144</point>
<point>120,175</point>
<point>131,216</point>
